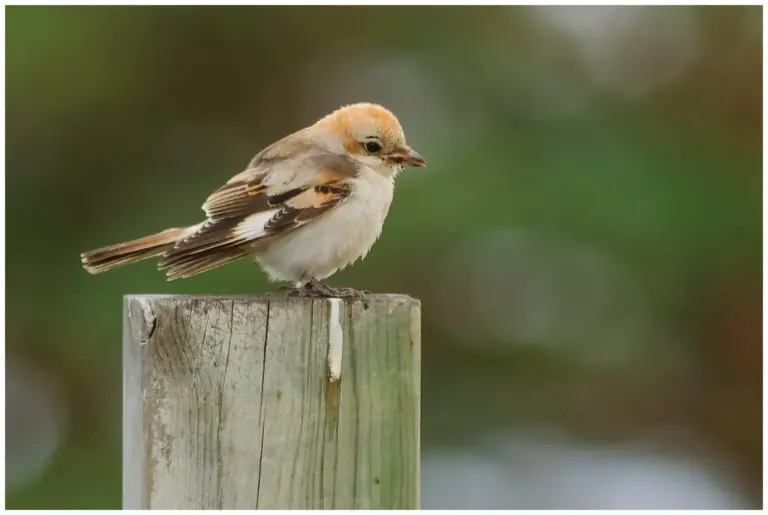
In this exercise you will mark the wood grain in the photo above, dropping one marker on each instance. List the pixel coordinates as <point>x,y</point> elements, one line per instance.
<point>228,403</point>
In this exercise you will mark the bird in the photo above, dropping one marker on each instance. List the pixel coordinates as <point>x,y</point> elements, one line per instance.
<point>305,207</point>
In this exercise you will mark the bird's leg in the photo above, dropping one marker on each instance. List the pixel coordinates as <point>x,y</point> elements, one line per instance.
<point>308,288</point>
<point>300,289</point>
<point>320,289</point>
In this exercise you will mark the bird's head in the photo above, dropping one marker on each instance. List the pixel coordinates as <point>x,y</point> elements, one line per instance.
<point>370,135</point>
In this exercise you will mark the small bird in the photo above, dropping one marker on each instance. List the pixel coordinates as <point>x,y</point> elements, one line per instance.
<point>305,207</point>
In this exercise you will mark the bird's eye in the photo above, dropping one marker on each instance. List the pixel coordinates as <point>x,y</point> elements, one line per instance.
<point>372,146</point>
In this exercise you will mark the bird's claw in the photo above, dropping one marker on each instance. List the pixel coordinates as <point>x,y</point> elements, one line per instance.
<point>350,293</point>
<point>316,289</point>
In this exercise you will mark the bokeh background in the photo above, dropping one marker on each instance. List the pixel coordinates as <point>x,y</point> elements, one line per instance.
<point>586,240</point>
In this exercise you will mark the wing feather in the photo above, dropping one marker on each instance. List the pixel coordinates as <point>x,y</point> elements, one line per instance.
<point>276,194</point>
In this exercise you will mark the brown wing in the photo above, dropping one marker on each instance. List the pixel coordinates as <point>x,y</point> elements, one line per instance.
<point>274,195</point>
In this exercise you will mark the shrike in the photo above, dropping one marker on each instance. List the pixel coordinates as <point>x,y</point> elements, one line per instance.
<point>305,207</point>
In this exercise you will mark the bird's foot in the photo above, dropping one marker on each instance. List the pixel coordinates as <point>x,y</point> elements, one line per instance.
<point>348,293</point>
<point>319,289</point>
<point>315,289</point>
<point>330,291</point>
<point>296,291</point>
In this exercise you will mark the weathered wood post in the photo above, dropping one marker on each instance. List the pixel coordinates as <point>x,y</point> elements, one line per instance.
<point>271,402</point>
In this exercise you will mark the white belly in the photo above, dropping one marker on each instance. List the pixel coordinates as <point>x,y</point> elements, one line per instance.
<point>336,239</point>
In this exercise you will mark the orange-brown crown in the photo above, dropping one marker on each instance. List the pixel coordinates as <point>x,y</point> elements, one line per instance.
<point>357,122</point>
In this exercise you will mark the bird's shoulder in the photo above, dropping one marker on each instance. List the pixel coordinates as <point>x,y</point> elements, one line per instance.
<point>286,186</point>
<point>280,171</point>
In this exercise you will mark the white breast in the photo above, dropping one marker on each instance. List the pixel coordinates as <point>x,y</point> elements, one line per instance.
<point>338,238</point>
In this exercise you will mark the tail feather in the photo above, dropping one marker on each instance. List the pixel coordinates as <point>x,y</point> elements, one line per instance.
<point>197,264</point>
<point>103,259</point>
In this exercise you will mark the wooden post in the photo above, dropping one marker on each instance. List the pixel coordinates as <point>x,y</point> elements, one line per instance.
<point>271,403</point>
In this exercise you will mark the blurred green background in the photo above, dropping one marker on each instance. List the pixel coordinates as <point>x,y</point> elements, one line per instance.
<point>586,240</point>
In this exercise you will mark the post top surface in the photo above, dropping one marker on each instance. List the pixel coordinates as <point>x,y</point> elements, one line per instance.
<point>278,297</point>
